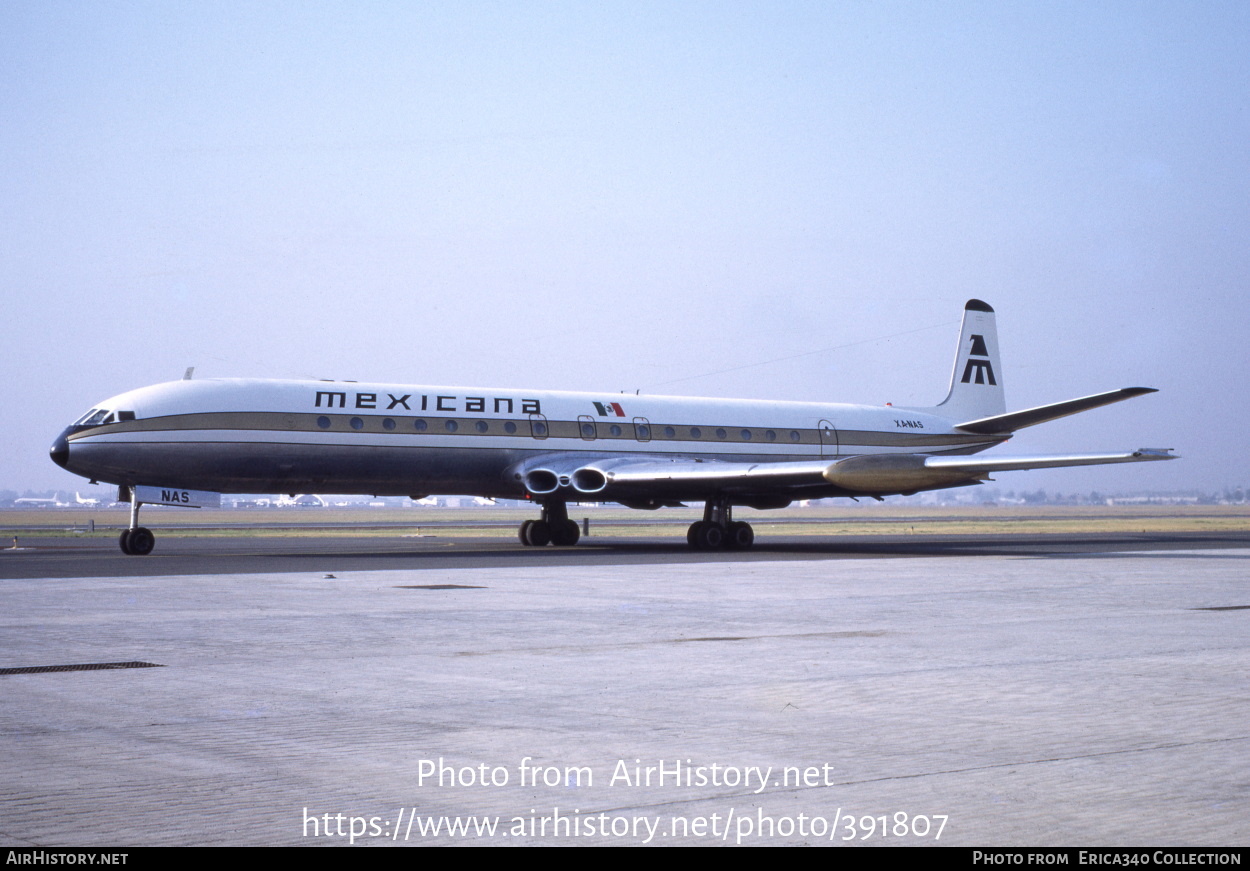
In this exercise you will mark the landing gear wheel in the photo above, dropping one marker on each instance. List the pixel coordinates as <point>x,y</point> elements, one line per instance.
<point>123,542</point>
<point>740,537</point>
<point>524,532</point>
<point>539,534</point>
<point>709,537</point>
<point>139,542</point>
<point>565,534</point>
<point>692,534</point>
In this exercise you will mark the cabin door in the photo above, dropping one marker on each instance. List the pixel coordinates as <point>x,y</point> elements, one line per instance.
<point>828,439</point>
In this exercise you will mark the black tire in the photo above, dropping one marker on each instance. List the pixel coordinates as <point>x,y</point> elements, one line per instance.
<point>741,536</point>
<point>141,541</point>
<point>692,534</point>
<point>524,532</point>
<point>710,537</point>
<point>565,534</point>
<point>123,541</point>
<point>539,534</point>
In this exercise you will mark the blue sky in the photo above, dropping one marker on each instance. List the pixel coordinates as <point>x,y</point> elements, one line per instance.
<point>621,196</point>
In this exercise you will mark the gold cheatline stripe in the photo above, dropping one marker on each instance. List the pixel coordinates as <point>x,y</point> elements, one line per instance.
<point>556,429</point>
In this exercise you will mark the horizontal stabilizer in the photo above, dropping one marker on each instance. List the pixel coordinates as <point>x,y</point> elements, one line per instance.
<point>1015,420</point>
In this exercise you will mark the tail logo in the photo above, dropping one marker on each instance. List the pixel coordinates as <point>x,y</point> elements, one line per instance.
<point>984,371</point>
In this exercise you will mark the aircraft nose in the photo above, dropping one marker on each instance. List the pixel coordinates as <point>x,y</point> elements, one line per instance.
<point>59,452</point>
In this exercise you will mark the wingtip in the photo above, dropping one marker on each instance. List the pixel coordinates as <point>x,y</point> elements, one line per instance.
<point>1156,454</point>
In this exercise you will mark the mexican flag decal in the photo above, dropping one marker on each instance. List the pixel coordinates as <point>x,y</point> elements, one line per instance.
<point>610,409</point>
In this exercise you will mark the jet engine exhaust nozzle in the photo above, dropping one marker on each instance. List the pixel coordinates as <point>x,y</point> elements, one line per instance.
<point>589,480</point>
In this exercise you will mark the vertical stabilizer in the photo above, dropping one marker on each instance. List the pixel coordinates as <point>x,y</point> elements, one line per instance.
<point>977,380</point>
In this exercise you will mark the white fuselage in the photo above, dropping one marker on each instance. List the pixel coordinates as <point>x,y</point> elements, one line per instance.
<point>238,435</point>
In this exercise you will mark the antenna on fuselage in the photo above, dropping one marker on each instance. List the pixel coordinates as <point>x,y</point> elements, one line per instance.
<point>186,376</point>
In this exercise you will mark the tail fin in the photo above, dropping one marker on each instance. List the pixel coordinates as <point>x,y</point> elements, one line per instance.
<point>977,380</point>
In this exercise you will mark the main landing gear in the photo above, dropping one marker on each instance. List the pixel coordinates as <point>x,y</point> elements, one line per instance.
<point>137,540</point>
<point>554,528</point>
<point>718,530</point>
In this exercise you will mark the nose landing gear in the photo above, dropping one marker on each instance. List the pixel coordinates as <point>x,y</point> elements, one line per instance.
<point>137,540</point>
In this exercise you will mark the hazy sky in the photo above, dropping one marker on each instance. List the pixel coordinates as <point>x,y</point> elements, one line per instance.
<point>620,196</point>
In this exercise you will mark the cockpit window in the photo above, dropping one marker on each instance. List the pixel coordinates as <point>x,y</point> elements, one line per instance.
<point>101,416</point>
<point>95,417</point>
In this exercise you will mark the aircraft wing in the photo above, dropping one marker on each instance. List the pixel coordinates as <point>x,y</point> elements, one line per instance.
<point>652,482</point>
<point>635,473</point>
<point>1011,464</point>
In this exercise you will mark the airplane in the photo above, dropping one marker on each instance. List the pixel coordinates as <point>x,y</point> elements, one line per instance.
<point>646,452</point>
<point>37,502</point>
<point>300,500</point>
